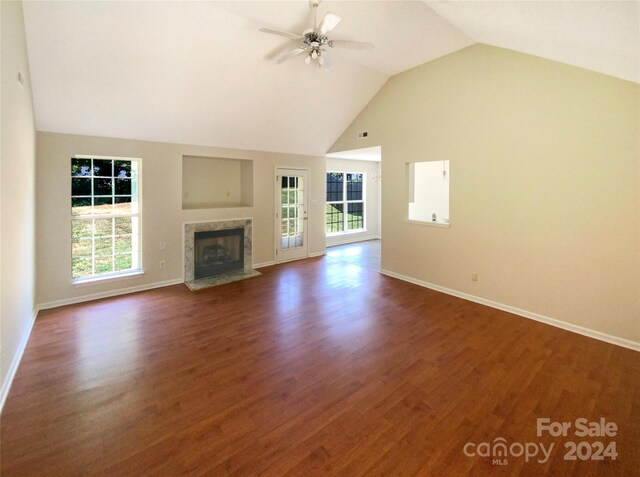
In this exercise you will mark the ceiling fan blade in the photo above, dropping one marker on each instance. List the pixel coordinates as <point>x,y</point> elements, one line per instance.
<point>288,54</point>
<point>286,34</point>
<point>328,23</point>
<point>352,45</point>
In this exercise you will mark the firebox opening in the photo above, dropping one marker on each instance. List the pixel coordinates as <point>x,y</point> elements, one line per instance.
<point>218,251</point>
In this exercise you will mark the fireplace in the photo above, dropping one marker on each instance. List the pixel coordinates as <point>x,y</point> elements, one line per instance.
<point>218,251</point>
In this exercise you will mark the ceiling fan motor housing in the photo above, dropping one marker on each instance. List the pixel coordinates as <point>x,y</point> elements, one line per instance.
<point>310,37</point>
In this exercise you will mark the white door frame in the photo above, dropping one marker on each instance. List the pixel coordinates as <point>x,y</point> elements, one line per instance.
<point>279,255</point>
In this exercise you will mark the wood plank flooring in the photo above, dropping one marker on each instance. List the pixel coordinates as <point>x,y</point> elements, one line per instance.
<point>319,367</point>
<point>365,253</point>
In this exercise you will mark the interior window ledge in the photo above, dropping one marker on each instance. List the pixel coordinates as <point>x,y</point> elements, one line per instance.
<point>431,224</point>
<point>109,278</point>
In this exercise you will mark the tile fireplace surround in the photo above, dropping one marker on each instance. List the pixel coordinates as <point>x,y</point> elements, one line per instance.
<point>190,230</point>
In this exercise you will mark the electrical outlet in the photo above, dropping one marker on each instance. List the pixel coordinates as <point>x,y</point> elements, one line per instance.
<point>163,245</point>
<point>474,277</point>
<point>163,264</point>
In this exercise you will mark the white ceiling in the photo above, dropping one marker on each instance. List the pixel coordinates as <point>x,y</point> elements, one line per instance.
<point>365,154</point>
<point>602,36</point>
<point>196,72</point>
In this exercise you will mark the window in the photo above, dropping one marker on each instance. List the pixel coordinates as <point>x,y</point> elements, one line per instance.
<point>105,217</point>
<point>345,202</point>
<point>428,192</point>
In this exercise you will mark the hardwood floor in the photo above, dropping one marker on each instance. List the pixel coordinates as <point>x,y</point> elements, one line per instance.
<point>365,254</point>
<point>318,367</point>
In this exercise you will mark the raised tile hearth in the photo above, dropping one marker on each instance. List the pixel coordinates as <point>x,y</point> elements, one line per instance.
<point>214,255</point>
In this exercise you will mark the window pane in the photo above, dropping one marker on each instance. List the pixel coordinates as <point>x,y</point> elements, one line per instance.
<point>103,167</point>
<point>104,264</point>
<point>102,187</point>
<point>80,267</point>
<point>354,186</point>
<point>81,247</point>
<point>124,244</point>
<point>104,246</point>
<point>80,167</point>
<point>334,218</point>
<point>103,205</point>
<point>123,206</point>
<point>80,186</point>
<point>122,169</point>
<point>123,186</point>
<point>103,227</point>
<point>123,225</point>
<point>334,186</point>
<point>81,206</point>
<point>123,262</point>
<point>355,216</point>
<point>81,229</point>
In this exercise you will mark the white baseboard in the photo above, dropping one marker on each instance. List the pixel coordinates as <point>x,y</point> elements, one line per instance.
<point>524,313</point>
<point>317,254</point>
<point>6,385</point>
<point>345,240</point>
<point>107,294</point>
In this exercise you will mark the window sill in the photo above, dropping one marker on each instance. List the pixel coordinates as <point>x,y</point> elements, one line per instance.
<point>349,232</point>
<point>444,225</point>
<point>108,278</point>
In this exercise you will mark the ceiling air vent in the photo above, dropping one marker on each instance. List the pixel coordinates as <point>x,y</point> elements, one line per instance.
<point>363,134</point>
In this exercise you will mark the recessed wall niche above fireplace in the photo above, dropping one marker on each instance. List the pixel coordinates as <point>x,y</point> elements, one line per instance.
<point>217,252</point>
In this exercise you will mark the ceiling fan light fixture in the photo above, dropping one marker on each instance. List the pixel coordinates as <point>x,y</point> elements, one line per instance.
<point>307,60</point>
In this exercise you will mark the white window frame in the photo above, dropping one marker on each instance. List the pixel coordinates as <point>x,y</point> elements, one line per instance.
<point>345,203</point>
<point>135,244</point>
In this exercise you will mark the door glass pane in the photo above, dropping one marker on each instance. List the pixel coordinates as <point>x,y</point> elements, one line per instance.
<point>292,212</point>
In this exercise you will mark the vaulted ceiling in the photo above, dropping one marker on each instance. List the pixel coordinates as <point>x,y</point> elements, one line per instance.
<point>197,72</point>
<point>602,36</point>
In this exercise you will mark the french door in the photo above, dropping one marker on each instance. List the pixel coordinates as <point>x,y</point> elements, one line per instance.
<point>292,187</point>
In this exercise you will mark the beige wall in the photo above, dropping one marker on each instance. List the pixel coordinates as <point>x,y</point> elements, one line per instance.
<point>371,169</point>
<point>545,204</point>
<point>17,192</point>
<point>163,216</point>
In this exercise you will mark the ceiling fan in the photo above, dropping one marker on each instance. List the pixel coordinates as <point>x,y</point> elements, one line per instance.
<point>314,41</point>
